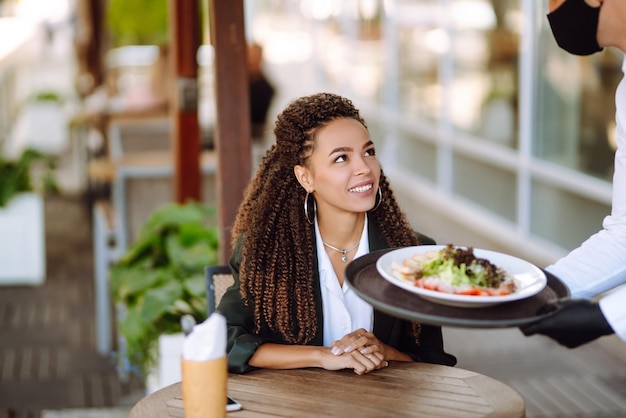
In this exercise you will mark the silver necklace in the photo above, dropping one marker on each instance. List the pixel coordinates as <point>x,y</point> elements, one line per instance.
<point>344,253</point>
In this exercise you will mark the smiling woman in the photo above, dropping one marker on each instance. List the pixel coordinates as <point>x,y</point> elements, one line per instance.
<point>319,200</point>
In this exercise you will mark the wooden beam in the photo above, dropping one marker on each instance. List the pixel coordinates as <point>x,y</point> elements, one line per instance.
<point>232,131</point>
<point>184,44</point>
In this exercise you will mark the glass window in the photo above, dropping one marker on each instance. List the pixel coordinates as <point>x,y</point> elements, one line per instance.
<point>417,156</point>
<point>490,187</point>
<point>575,107</point>
<point>485,49</point>
<point>347,38</point>
<point>420,41</point>
<point>564,218</point>
<point>377,132</point>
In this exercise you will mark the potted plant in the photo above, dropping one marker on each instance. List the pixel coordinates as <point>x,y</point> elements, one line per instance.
<point>17,177</point>
<point>160,278</point>
<point>42,124</point>
<point>22,232</point>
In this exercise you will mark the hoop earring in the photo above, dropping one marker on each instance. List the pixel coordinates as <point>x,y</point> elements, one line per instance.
<point>380,199</point>
<point>306,209</point>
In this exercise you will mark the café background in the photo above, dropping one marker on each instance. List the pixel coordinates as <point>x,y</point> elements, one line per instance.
<point>479,118</point>
<point>491,135</point>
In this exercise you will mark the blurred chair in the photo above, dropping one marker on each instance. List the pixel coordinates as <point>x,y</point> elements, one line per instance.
<point>218,279</point>
<point>105,252</point>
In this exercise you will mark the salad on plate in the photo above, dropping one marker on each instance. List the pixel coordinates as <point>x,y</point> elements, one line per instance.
<point>455,270</point>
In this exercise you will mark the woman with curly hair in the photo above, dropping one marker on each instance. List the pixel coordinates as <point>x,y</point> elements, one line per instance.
<point>319,199</point>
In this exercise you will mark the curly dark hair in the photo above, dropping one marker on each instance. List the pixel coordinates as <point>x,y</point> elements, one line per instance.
<point>276,271</point>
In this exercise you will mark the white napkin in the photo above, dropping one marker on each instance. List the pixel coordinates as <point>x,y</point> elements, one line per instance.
<point>207,341</point>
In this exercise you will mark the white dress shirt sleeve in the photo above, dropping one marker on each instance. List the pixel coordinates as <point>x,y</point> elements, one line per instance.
<point>599,264</point>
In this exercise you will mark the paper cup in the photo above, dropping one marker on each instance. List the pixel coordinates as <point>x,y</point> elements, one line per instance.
<point>204,388</point>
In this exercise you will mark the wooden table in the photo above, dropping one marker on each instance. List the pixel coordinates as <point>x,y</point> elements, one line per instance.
<point>402,389</point>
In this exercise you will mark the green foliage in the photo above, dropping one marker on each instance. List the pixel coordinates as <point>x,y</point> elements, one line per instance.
<point>161,277</point>
<point>48,96</point>
<point>16,175</point>
<point>138,22</point>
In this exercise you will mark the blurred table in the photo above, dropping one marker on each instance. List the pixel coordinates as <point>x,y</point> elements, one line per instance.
<point>402,389</point>
<point>143,163</point>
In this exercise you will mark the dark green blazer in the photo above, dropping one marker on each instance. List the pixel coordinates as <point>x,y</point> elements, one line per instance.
<point>242,342</point>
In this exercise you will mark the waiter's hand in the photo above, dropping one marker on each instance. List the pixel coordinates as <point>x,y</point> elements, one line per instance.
<point>570,322</point>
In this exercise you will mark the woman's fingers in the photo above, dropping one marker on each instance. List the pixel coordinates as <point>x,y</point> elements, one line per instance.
<point>352,341</point>
<point>355,360</point>
<point>368,362</point>
<point>372,348</point>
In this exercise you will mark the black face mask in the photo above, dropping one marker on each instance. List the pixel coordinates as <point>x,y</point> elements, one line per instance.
<point>575,27</point>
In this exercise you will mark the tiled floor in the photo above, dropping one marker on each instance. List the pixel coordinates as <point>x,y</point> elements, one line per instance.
<point>48,358</point>
<point>588,382</point>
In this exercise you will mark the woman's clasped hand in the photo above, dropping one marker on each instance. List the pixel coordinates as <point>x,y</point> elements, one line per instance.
<point>361,351</point>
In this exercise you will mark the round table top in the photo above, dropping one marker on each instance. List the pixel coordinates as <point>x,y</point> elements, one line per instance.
<point>402,389</point>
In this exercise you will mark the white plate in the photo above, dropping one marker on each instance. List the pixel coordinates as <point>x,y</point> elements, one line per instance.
<point>529,278</point>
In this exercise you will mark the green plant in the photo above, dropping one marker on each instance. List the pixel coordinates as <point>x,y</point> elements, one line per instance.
<point>138,22</point>
<point>16,176</point>
<point>161,277</point>
<point>47,96</point>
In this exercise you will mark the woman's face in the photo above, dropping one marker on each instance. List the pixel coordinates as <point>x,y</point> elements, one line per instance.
<point>343,172</point>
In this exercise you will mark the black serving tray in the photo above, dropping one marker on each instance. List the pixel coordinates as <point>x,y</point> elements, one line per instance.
<point>363,277</point>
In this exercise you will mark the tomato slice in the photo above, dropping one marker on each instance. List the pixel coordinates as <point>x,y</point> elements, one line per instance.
<point>466,290</point>
<point>498,292</point>
<point>472,291</point>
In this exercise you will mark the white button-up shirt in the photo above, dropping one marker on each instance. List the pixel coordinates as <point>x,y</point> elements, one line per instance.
<point>342,309</point>
<point>599,264</point>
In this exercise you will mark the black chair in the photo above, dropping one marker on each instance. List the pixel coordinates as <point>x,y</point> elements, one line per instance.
<point>218,279</point>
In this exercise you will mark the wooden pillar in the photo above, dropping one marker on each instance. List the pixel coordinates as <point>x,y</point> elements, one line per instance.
<point>184,44</point>
<point>89,43</point>
<point>232,131</point>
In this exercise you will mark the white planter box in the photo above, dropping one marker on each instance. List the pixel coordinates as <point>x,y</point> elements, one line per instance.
<point>168,370</point>
<point>22,241</point>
